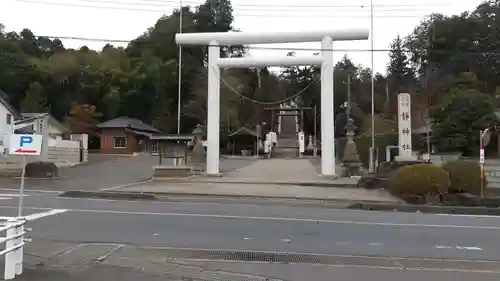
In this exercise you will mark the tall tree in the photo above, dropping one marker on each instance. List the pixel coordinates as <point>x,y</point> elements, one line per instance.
<point>458,119</point>
<point>400,76</point>
<point>83,118</point>
<point>34,100</point>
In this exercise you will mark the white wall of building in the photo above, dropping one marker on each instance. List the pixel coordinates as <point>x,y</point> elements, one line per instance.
<point>5,127</point>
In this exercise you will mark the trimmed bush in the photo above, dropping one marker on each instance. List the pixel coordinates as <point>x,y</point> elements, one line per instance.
<point>419,179</point>
<point>465,176</point>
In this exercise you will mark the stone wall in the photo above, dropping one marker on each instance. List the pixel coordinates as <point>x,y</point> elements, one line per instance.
<point>62,156</point>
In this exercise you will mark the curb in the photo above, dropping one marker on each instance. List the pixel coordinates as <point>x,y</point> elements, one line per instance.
<point>452,210</point>
<point>108,195</point>
<point>159,195</point>
<point>127,185</point>
<point>315,184</point>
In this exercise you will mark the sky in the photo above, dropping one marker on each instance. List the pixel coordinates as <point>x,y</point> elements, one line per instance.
<point>127,19</point>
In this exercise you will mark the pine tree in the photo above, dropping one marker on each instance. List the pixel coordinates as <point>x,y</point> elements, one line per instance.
<point>400,76</point>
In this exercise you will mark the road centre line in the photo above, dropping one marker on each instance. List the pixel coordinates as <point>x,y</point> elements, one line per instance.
<point>388,224</point>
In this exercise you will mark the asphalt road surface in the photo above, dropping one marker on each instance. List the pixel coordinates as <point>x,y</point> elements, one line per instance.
<point>256,227</point>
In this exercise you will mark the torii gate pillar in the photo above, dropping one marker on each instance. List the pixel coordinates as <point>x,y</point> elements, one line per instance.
<point>214,40</point>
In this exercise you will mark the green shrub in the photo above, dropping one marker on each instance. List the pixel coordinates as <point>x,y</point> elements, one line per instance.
<point>419,179</point>
<point>465,176</point>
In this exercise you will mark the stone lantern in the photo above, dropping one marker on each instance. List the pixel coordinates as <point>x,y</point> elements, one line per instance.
<point>198,158</point>
<point>351,165</point>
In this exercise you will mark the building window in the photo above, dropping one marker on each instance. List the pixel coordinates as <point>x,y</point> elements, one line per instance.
<point>9,118</point>
<point>119,142</point>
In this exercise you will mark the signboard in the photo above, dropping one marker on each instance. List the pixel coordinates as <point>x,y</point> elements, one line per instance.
<point>26,144</point>
<point>404,125</point>
<point>481,156</point>
<point>302,142</point>
<point>274,137</point>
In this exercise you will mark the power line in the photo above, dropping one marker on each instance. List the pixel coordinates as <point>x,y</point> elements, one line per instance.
<point>267,15</point>
<point>271,102</point>
<point>305,6</point>
<point>360,8</point>
<point>260,6</point>
<point>107,40</point>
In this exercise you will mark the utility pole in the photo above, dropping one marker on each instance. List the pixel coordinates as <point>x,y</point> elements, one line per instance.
<point>387,93</point>
<point>179,87</point>
<point>427,119</point>
<point>372,151</point>
<point>349,97</point>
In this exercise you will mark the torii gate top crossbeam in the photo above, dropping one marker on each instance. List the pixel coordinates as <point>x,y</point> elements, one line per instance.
<point>242,38</point>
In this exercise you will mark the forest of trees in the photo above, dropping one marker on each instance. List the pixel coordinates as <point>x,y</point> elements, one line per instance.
<point>449,64</point>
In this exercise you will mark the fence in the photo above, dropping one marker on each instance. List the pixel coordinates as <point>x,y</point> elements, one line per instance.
<point>14,242</point>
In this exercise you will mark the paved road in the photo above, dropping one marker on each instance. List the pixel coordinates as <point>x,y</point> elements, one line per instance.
<point>264,227</point>
<point>107,171</point>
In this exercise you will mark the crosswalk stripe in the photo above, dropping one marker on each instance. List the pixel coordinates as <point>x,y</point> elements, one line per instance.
<point>5,198</point>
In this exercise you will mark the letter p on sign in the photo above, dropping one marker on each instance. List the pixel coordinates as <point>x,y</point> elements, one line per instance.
<point>25,140</point>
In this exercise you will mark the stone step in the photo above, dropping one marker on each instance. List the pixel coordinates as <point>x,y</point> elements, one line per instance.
<point>283,152</point>
<point>287,141</point>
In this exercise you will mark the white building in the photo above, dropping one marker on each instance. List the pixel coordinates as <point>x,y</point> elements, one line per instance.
<point>8,114</point>
<point>36,121</point>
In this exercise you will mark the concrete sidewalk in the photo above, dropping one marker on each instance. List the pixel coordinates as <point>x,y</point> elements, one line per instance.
<point>260,190</point>
<point>300,171</point>
<point>118,262</point>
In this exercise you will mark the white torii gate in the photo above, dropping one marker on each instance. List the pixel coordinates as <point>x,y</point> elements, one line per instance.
<point>216,39</point>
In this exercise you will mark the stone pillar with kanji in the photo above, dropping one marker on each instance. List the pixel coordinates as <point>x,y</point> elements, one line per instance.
<point>404,128</point>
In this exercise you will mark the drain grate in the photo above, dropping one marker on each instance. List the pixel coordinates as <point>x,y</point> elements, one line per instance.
<point>258,256</point>
<point>306,258</point>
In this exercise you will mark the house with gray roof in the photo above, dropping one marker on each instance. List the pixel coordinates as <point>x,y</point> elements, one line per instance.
<point>125,135</point>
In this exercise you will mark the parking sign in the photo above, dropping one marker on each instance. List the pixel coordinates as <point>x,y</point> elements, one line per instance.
<point>24,144</point>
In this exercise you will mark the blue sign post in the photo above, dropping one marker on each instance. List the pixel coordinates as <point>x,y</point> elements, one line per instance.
<point>24,144</point>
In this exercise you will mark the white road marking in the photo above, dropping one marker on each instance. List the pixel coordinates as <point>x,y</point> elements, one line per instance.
<point>458,248</point>
<point>247,238</point>
<point>376,244</point>
<point>442,247</point>
<point>156,234</point>
<point>469,248</point>
<point>467,216</point>
<point>215,216</point>
<point>286,240</point>
<point>9,196</point>
<point>33,190</point>
<point>45,214</point>
<point>127,185</point>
